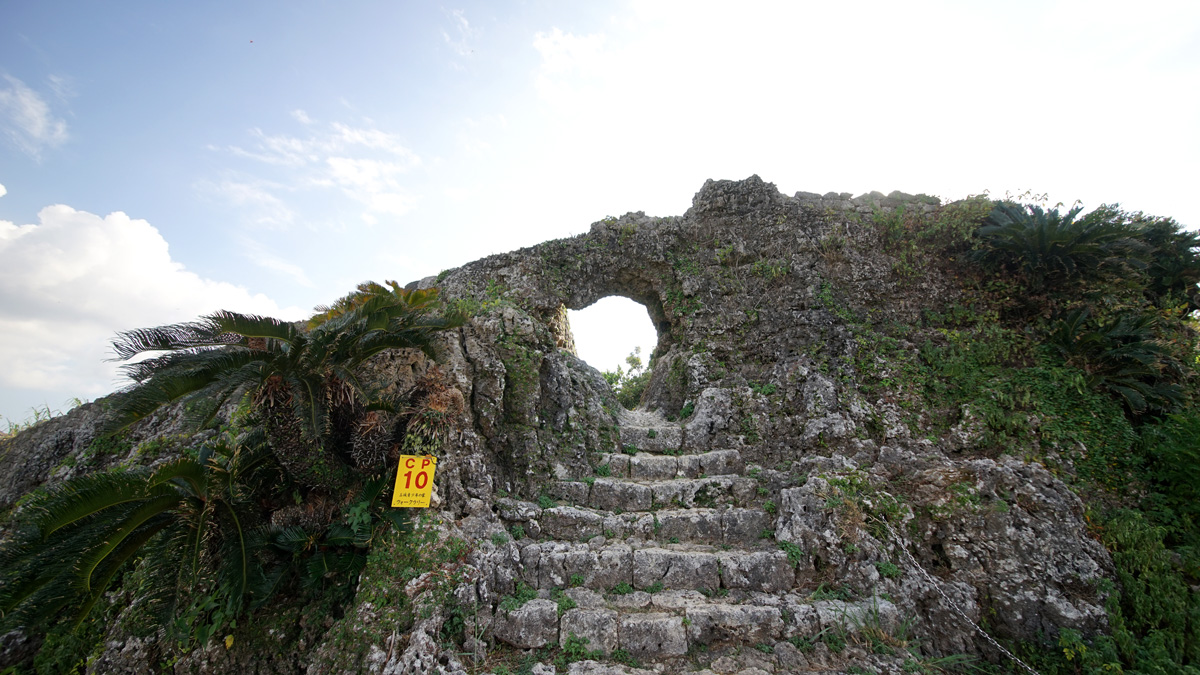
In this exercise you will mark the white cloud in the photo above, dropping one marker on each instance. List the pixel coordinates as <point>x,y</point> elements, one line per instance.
<point>254,198</point>
<point>62,86</point>
<point>873,96</point>
<point>364,163</point>
<point>27,120</point>
<point>3,190</point>
<point>302,117</point>
<point>269,261</point>
<point>464,34</point>
<point>572,64</point>
<point>71,281</point>
<point>564,52</point>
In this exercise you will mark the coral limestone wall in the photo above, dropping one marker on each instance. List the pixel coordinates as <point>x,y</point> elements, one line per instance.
<point>762,496</point>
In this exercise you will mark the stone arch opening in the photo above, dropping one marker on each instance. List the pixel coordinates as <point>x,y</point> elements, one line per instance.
<point>607,333</point>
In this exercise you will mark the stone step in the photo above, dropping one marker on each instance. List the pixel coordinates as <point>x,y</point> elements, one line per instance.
<point>728,526</point>
<point>669,623</point>
<point>659,439</point>
<point>557,564</point>
<point>646,466</point>
<point>620,495</point>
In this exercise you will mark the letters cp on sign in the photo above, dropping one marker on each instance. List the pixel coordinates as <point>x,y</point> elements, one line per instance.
<point>414,481</point>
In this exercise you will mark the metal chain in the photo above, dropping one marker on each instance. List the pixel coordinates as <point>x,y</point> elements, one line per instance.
<point>953,605</point>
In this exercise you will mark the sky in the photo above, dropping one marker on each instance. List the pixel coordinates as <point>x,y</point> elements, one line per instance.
<point>160,161</point>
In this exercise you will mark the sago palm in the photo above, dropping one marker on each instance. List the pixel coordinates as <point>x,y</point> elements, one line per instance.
<point>1121,355</point>
<point>304,382</point>
<point>1047,247</point>
<point>189,520</point>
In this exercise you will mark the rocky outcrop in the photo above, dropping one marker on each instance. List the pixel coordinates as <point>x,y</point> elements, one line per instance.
<point>762,512</point>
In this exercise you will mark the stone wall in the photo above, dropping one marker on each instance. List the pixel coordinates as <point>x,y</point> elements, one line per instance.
<point>755,296</point>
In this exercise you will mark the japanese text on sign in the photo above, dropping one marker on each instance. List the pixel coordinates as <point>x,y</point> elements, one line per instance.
<point>414,481</point>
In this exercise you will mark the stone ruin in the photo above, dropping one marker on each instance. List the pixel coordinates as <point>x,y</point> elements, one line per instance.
<point>759,501</point>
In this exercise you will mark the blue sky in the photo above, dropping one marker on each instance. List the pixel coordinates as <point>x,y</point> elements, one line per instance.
<point>163,160</point>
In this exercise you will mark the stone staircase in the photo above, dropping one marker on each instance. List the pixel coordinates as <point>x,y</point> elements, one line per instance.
<point>667,558</point>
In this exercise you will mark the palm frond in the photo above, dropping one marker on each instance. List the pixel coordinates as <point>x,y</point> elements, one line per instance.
<point>121,554</point>
<point>252,326</point>
<point>1047,246</point>
<point>75,500</point>
<point>175,337</point>
<point>146,512</point>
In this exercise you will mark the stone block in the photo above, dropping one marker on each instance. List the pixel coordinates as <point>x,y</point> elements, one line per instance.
<point>571,524</point>
<point>675,569</point>
<point>653,635</point>
<point>652,467</point>
<point>764,571</point>
<point>745,526</point>
<point>512,509</point>
<point>746,624</point>
<point>701,525</point>
<point>533,625</point>
<point>598,626</point>
<point>618,464</point>
<point>531,558</point>
<point>570,491</point>
<point>721,462</point>
<point>615,495</point>
<point>659,439</point>
<point>630,525</point>
<point>601,569</point>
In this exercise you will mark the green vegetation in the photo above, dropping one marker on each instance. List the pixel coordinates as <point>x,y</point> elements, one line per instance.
<point>1071,338</point>
<point>887,569</point>
<point>795,554</point>
<point>629,385</point>
<point>319,419</point>
<point>1046,248</point>
<point>73,540</point>
<point>217,531</point>
<point>37,416</point>
<point>397,558</point>
<point>517,600</point>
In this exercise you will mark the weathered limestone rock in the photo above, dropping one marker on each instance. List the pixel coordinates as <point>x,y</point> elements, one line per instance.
<point>533,625</point>
<point>765,571</point>
<point>653,635</point>
<point>615,495</point>
<point>597,626</point>
<point>570,523</point>
<point>675,569</point>
<point>754,416</point>
<point>746,624</point>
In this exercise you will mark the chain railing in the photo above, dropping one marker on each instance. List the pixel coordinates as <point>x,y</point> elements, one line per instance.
<point>953,605</point>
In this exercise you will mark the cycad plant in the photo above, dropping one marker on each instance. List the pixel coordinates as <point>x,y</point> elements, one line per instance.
<point>303,382</point>
<point>1174,268</point>
<point>419,302</point>
<point>1121,355</point>
<point>190,520</point>
<point>1046,247</point>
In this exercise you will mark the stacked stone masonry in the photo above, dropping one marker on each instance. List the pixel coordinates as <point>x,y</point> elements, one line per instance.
<point>651,572</point>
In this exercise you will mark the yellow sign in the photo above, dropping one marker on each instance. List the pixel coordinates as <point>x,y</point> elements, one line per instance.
<point>414,481</point>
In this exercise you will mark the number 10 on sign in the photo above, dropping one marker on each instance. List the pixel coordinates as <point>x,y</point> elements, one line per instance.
<point>414,481</point>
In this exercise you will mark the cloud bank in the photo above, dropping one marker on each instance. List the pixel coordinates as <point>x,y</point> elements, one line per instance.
<point>71,281</point>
